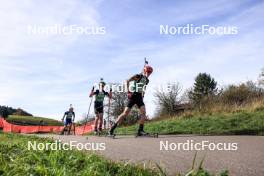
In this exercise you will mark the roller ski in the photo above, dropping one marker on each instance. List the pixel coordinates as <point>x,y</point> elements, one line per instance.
<point>110,135</point>
<point>100,133</point>
<point>144,134</point>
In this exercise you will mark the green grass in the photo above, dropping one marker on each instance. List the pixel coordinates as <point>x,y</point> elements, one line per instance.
<point>29,120</point>
<point>239,123</point>
<point>16,159</point>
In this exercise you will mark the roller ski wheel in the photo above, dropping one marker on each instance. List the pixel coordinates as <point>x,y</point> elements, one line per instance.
<point>110,135</point>
<point>144,134</point>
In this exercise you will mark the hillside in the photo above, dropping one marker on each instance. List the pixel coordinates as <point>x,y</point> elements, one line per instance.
<point>30,120</point>
<point>5,111</point>
<point>236,123</point>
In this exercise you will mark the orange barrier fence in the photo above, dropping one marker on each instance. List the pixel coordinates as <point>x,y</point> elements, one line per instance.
<point>8,127</point>
<point>1,123</point>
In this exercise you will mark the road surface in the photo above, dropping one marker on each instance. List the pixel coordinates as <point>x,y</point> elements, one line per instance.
<point>247,160</point>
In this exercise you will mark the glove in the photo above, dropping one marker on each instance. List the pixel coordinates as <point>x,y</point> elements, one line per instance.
<point>129,94</point>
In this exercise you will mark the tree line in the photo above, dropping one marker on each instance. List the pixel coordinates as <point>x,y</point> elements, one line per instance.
<point>205,95</point>
<point>5,111</point>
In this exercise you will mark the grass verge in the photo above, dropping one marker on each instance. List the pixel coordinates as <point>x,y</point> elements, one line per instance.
<point>16,159</point>
<point>237,123</point>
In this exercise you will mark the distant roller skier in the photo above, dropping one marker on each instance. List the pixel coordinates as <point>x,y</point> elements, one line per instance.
<point>69,117</point>
<point>135,97</point>
<point>99,105</point>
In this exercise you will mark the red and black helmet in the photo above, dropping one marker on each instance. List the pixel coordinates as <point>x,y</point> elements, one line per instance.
<point>148,69</point>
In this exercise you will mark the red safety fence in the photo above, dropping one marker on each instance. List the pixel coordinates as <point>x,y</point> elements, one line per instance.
<point>8,127</point>
<point>1,123</point>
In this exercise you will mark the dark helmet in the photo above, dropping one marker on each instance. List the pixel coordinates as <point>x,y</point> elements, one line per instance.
<point>102,82</point>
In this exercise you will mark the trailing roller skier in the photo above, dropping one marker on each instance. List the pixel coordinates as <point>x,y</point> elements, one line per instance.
<point>135,97</point>
<point>99,105</point>
<point>69,117</point>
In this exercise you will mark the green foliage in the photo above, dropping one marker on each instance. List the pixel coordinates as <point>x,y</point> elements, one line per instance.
<point>241,94</point>
<point>199,171</point>
<point>204,87</point>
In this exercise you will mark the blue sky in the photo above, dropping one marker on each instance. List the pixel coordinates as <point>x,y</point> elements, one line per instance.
<point>44,74</point>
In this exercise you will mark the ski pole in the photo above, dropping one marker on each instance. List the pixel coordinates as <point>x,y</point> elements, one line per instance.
<point>108,117</point>
<point>109,105</point>
<point>91,100</point>
<point>146,62</point>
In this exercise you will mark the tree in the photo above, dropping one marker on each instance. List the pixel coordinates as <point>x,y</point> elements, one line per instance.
<point>168,102</point>
<point>5,111</point>
<point>241,94</point>
<point>21,112</point>
<point>204,88</point>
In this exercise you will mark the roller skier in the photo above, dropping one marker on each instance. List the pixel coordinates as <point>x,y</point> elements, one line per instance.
<point>99,105</point>
<point>135,97</point>
<point>69,117</point>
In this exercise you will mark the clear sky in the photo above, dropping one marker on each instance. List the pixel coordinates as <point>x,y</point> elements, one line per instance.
<point>43,74</point>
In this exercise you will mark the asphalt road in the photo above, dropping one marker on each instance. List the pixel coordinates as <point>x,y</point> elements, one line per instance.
<point>247,160</point>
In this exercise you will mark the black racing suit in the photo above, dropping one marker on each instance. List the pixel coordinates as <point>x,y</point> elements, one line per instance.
<point>99,101</point>
<point>138,90</point>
